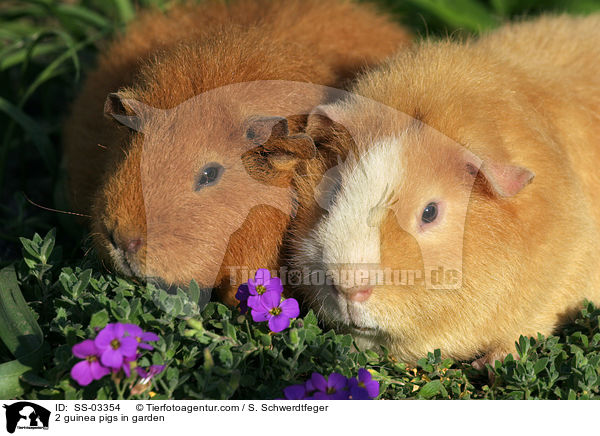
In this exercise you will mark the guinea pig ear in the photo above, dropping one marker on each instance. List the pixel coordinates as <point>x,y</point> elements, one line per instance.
<point>127,111</point>
<point>284,153</point>
<point>281,150</point>
<point>506,180</point>
<point>321,123</point>
<point>260,128</point>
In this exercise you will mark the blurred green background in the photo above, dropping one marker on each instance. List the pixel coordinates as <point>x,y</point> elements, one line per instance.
<point>46,47</point>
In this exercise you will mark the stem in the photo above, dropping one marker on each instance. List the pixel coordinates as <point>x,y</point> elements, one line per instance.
<point>120,390</point>
<point>248,329</point>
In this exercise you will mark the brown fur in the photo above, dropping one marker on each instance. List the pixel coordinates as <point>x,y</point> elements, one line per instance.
<point>526,95</point>
<point>162,61</point>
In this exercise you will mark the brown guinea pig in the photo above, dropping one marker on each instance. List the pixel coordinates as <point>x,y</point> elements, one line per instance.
<point>198,187</point>
<point>465,212</point>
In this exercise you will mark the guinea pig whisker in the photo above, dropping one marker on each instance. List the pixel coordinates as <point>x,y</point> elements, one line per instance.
<point>105,267</point>
<point>55,210</point>
<point>87,251</point>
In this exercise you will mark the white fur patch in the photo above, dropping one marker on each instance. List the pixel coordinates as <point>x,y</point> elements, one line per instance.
<point>350,233</point>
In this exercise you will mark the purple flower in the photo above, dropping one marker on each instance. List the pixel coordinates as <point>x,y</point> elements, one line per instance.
<point>148,374</point>
<point>365,388</point>
<point>115,346</point>
<point>141,336</point>
<point>334,388</point>
<point>242,295</point>
<point>89,369</point>
<point>126,367</point>
<point>263,284</point>
<point>295,392</point>
<point>278,313</point>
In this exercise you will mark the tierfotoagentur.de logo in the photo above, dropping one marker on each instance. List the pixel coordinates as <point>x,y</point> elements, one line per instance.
<point>24,415</point>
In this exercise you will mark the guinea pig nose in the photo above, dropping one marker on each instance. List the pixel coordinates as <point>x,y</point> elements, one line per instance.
<point>358,294</point>
<point>134,245</point>
<point>129,244</point>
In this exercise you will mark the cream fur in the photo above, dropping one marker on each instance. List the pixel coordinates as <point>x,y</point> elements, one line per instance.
<point>526,100</point>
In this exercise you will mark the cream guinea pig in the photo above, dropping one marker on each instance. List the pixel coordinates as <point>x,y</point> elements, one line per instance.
<point>480,156</point>
<point>189,188</point>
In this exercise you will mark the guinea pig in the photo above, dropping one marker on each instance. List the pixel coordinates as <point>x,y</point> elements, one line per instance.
<point>198,188</point>
<point>463,212</point>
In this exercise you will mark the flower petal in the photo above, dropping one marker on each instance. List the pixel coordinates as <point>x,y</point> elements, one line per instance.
<point>105,337</point>
<point>242,293</point>
<point>149,336</point>
<point>357,392</point>
<point>85,349</point>
<point>262,276</point>
<point>275,285</point>
<point>133,330</point>
<point>126,368</point>
<point>97,370</point>
<point>318,382</point>
<point>141,372</point>
<point>309,386</point>
<point>279,323</point>
<point>128,346</point>
<point>254,301</point>
<point>290,308</point>
<point>337,381</point>
<point>111,358</point>
<point>294,392</point>
<point>119,329</point>
<point>81,373</point>
<point>364,375</point>
<point>340,395</point>
<point>157,369</point>
<point>270,299</point>
<point>260,315</point>
<point>372,387</point>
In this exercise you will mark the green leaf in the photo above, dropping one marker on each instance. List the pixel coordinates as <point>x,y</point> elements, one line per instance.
<point>11,372</point>
<point>459,14</point>
<point>19,332</point>
<point>82,283</point>
<point>125,9</point>
<point>540,365</point>
<point>431,389</point>
<point>99,319</point>
<point>194,292</point>
<point>47,245</point>
<point>310,318</point>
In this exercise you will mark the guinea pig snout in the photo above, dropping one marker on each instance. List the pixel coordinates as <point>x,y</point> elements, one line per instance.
<point>127,241</point>
<point>357,294</point>
<point>353,284</point>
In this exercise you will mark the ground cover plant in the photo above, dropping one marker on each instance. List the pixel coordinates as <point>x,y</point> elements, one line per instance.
<point>55,295</point>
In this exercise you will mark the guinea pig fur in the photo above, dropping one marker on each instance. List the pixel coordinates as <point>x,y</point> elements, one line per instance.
<point>129,179</point>
<point>510,121</point>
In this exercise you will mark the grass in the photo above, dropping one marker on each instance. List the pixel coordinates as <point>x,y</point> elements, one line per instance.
<point>53,295</point>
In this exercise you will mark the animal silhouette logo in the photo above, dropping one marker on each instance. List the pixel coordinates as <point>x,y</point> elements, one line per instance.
<point>26,415</point>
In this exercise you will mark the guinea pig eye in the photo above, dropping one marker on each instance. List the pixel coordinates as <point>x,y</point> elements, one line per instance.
<point>209,175</point>
<point>430,213</point>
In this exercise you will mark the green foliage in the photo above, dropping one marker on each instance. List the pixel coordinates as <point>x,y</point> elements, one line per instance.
<point>58,296</point>
<point>20,334</point>
<point>221,354</point>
